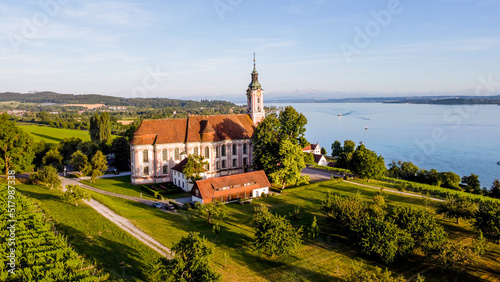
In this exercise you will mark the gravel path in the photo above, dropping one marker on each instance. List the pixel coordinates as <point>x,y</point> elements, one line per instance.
<point>126,225</point>
<point>394,191</point>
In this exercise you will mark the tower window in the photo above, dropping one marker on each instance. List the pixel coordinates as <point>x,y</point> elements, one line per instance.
<point>145,156</point>
<point>258,100</point>
<point>217,151</point>
<point>177,154</point>
<point>164,155</point>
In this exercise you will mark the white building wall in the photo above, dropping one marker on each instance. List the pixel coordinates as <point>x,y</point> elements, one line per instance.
<point>258,192</point>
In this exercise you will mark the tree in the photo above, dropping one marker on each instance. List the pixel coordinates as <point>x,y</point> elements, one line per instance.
<point>309,158</point>
<point>211,210</point>
<point>450,180</point>
<point>408,171</point>
<point>96,167</point>
<point>314,230</point>
<point>457,207</point>
<point>487,220</point>
<point>275,235</point>
<point>345,155</point>
<point>88,148</point>
<point>336,148</point>
<point>47,175</point>
<point>194,166</point>
<point>456,257</point>
<point>74,193</point>
<point>121,149</point>
<point>78,160</point>
<point>190,263</point>
<point>427,234</point>
<point>385,239</point>
<point>344,213</point>
<point>495,189</point>
<point>68,146</point>
<point>54,158</point>
<point>276,136</point>
<point>100,128</point>
<point>472,184</point>
<point>323,151</point>
<point>290,164</point>
<point>16,152</point>
<point>366,164</point>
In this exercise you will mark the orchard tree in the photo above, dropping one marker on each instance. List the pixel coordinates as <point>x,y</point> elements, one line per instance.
<point>366,164</point>
<point>344,213</point>
<point>274,235</point>
<point>487,220</point>
<point>121,149</point>
<point>290,164</point>
<point>74,193</point>
<point>211,210</point>
<point>450,180</point>
<point>190,263</point>
<point>314,230</point>
<point>472,184</point>
<point>457,207</point>
<point>16,152</point>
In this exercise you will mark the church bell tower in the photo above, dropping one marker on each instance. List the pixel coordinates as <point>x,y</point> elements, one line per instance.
<point>255,98</point>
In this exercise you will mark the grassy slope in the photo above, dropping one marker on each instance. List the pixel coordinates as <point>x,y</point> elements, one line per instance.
<point>324,261</point>
<point>54,135</point>
<point>95,237</point>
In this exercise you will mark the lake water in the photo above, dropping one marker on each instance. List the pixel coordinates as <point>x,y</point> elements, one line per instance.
<point>461,139</point>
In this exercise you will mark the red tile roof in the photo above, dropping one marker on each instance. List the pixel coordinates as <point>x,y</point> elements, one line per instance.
<point>194,129</point>
<point>238,183</point>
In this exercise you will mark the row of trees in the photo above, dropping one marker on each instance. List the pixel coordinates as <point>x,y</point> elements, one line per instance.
<point>360,160</point>
<point>396,234</point>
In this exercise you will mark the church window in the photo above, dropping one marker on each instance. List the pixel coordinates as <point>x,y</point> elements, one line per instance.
<point>207,152</point>
<point>146,170</point>
<point>245,149</point>
<point>217,151</point>
<point>235,149</point>
<point>165,169</point>
<point>235,162</point>
<point>177,154</point>
<point>245,162</point>
<point>145,156</point>
<point>223,164</point>
<point>195,151</point>
<point>223,150</point>
<point>164,155</point>
<point>217,165</point>
<point>258,100</point>
<point>207,167</point>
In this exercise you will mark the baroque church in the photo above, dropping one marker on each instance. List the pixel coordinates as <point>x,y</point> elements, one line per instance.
<point>159,148</point>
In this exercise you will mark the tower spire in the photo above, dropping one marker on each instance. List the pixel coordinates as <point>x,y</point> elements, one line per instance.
<point>254,69</point>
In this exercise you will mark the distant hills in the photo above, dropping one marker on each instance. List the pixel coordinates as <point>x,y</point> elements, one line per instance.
<point>52,97</point>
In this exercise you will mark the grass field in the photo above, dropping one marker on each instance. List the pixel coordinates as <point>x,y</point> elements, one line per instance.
<point>121,185</point>
<point>95,237</point>
<point>54,135</point>
<point>325,261</point>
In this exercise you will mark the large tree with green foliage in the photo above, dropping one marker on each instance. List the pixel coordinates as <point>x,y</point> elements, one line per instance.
<point>495,189</point>
<point>344,213</point>
<point>78,160</point>
<point>54,158</point>
<point>290,164</point>
<point>274,235</point>
<point>16,152</point>
<point>190,263</point>
<point>366,164</point>
<point>96,167</point>
<point>195,165</point>
<point>450,180</point>
<point>277,141</point>
<point>121,149</point>
<point>100,128</point>
<point>344,153</point>
<point>471,184</point>
<point>211,210</point>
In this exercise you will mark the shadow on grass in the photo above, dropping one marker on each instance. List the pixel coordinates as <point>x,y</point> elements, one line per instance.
<point>121,261</point>
<point>47,137</point>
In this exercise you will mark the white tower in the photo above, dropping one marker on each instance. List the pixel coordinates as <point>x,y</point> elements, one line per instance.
<point>255,98</point>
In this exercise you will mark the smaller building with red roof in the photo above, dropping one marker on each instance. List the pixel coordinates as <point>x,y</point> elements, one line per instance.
<point>231,188</point>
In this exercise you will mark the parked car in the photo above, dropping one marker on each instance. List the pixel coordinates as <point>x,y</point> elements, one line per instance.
<point>157,205</point>
<point>116,172</point>
<point>169,207</point>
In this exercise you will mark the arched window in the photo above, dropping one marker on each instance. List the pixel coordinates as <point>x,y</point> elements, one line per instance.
<point>165,169</point>
<point>245,149</point>
<point>217,151</point>
<point>195,151</point>
<point>145,156</point>
<point>207,152</point>
<point>223,150</point>
<point>235,149</point>
<point>177,154</point>
<point>164,155</point>
<point>146,170</point>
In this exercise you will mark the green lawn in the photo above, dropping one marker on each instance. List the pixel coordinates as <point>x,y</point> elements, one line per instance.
<point>95,237</point>
<point>54,135</point>
<point>121,185</point>
<point>327,260</point>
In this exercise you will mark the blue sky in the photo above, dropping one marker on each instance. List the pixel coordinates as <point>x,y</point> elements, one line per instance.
<point>205,48</point>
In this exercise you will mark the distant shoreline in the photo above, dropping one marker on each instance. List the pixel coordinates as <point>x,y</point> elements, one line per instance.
<point>434,100</point>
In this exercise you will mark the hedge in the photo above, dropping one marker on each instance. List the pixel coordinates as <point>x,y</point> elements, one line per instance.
<point>333,169</point>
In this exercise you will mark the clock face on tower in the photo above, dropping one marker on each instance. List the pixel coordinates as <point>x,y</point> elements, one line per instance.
<point>258,93</point>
